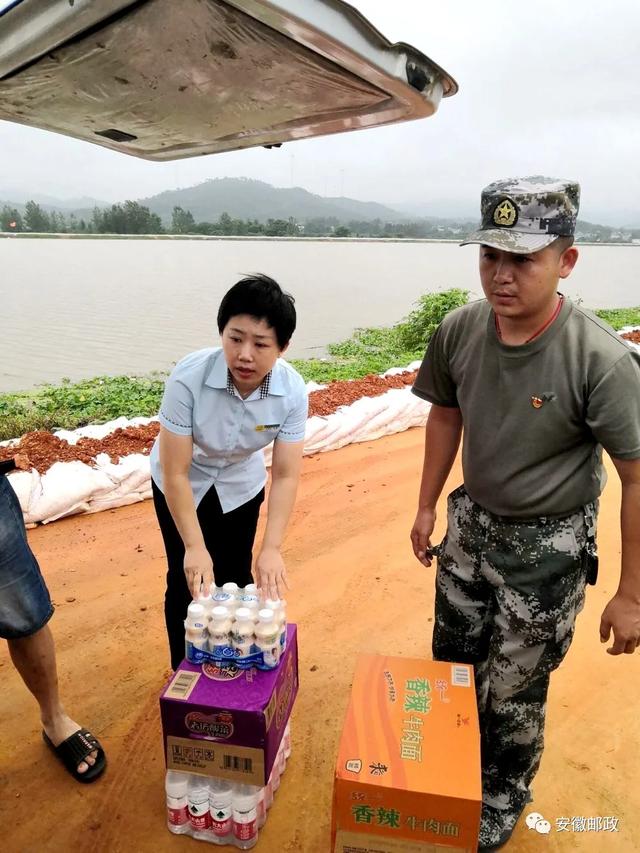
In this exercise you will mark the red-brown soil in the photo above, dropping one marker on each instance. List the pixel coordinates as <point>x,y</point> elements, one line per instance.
<point>634,336</point>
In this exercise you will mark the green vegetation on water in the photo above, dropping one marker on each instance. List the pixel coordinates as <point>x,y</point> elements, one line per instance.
<point>376,350</point>
<point>74,404</point>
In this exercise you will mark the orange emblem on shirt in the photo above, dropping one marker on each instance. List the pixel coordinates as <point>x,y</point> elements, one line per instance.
<point>536,402</point>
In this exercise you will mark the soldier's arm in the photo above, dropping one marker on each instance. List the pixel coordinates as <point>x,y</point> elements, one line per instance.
<point>622,614</point>
<point>442,439</point>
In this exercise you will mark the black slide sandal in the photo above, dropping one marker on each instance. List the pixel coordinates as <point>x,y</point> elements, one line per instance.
<point>75,749</point>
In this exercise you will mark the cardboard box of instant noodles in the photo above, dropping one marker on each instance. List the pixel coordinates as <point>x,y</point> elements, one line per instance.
<point>228,722</point>
<point>407,778</point>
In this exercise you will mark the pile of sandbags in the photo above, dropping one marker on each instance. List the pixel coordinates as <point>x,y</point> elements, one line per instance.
<point>68,488</point>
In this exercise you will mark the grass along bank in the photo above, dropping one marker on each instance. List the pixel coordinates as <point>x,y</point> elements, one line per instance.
<point>374,350</point>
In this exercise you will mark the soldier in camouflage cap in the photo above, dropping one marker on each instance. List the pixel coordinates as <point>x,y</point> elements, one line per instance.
<point>540,386</point>
<point>525,215</point>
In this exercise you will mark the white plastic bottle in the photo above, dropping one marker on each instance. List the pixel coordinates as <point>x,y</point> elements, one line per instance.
<point>195,626</point>
<point>198,796</point>
<point>279,607</point>
<point>219,629</point>
<point>221,811</point>
<point>273,604</point>
<point>254,607</point>
<point>281,758</point>
<point>176,786</point>
<point>196,617</point>
<point>207,603</point>
<point>220,597</point>
<point>261,807</point>
<point>245,816</point>
<point>275,775</point>
<point>268,793</point>
<point>242,633</point>
<point>250,593</point>
<point>233,592</point>
<point>268,638</point>
<point>286,738</point>
<point>283,624</point>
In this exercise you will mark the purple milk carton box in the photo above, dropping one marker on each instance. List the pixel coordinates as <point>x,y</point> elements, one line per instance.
<point>228,722</point>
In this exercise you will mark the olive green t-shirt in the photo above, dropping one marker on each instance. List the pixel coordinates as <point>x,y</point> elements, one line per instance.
<point>535,416</point>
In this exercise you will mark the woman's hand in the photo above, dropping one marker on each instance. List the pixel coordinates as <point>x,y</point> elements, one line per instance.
<point>271,574</point>
<point>198,570</point>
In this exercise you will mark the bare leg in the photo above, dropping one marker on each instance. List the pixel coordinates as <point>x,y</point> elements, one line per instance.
<point>35,659</point>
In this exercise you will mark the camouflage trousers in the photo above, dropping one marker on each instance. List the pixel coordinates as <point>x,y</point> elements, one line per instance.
<point>507,596</point>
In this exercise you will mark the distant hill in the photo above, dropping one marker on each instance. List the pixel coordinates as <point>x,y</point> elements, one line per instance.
<point>243,198</point>
<point>65,205</point>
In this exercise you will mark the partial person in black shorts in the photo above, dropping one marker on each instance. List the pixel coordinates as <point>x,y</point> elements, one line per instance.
<point>25,610</point>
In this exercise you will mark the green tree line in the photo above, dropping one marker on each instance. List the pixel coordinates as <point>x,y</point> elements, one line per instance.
<point>130,217</point>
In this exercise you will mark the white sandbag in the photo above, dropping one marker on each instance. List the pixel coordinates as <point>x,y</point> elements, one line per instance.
<point>66,488</point>
<point>389,419</point>
<point>112,502</point>
<point>100,430</point>
<point>324,438</point>
<point>26,485</point>
<point>131,474</point>
<point>366,419</point>
<point>347,422</point>
<point>318,427</point>
<point>343,423</point>
<point>394,371</point>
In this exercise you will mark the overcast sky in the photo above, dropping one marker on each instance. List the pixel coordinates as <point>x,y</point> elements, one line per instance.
<point>545,87</point>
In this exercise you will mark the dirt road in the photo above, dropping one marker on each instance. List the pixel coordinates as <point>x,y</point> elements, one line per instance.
<point>356,588</point>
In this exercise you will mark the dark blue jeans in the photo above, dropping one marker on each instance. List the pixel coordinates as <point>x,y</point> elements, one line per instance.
<point>25,605</point>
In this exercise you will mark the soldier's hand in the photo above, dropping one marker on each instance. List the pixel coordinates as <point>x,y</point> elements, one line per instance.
<point>421,535</point>
<point>622,615</point>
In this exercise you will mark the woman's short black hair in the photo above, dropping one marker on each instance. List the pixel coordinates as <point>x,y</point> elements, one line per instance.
<point>263,298</point>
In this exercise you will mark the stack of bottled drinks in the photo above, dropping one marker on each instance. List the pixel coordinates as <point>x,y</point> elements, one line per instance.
<point>231,626</point>
<point>222,812</point>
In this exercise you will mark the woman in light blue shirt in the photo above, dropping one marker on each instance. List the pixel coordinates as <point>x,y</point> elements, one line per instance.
<point>221,407</point>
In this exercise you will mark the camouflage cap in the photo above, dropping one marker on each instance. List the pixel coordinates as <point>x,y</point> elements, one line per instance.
<point>524,215</point>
